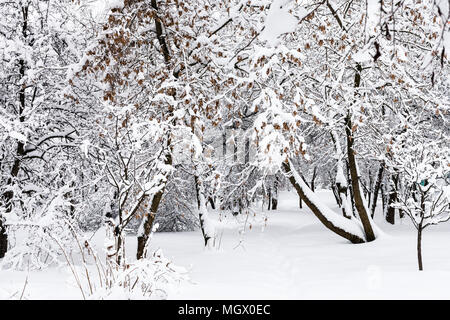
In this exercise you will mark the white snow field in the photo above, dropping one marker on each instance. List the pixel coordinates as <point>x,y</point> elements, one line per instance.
<point>293,257</point>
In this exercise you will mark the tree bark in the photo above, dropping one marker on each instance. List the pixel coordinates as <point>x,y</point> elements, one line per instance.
<point>247,150</point>
<point>316,211</point>
<point>377,188</point>
<point>150,217</point>
<point>235,149</point>
<point>313,179</point>
<point>419,247</point>
<point>390,213</point>
<point>202,211</point>
<point>20,151</point>
<point>359,202</point>
<point>3,239</point>
<point>211,202</point>
<point>275,194</point>
<point>224,144</point>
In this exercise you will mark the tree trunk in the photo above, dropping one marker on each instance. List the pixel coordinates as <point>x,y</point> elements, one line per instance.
<point>149,218</point>
<point>211,202</point>
<point>8,195</point>
<point>377,188</point>
<point>235,150</point>
<point>419,247</point>
<point>390,214</point>
<point>275,194</point>
<point>313,179</point>
<point>247,150</point>
<point>359,202</point>
<point>202,210</point>
<point>3,239</point>
<point>224,144</point>
<point>331,225</point>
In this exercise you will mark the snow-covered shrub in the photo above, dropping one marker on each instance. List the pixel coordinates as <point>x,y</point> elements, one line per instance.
<point>150,277</point>
<point>37,239</point>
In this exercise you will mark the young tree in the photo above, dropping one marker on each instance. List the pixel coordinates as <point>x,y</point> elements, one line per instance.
<point>423,165</point>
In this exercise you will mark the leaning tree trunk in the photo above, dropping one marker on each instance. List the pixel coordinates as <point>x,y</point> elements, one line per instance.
<point>359,201</point>
<point>358,197</point>
<point>331,224</point>
<point>149,218</point>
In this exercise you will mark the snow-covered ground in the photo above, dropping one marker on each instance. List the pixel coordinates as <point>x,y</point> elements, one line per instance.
<point>289,256</point>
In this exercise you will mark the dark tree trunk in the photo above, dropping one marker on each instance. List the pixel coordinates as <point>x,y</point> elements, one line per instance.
<point>211,202</point>
<point>377,188</point>
<point>350,190</point>
<point>8,195</point>
<point>369,190</point>
<point>275,195</point>
<point>247,150</point>
<point>142,239</point>
<point>336,195</point>
<point>359,204</point>
<point>419,247</point>
<point>235,150</point>
<point>390,213</point>
<point>327,223</point>
<point>224,144</point>
<point>270,199</point>
<point>313,179</point>
<point>3,239</point>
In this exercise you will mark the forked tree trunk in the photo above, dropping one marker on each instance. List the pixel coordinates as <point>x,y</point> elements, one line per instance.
<point>331,225</point>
